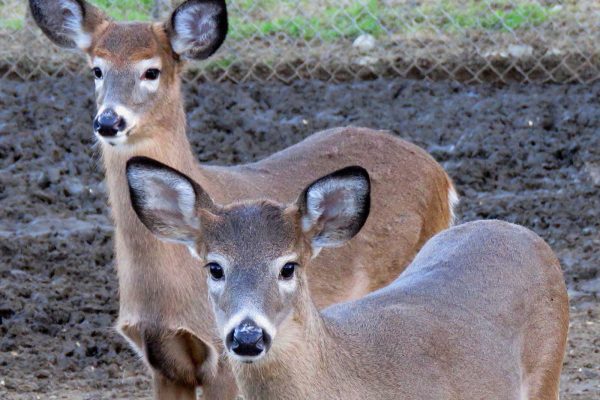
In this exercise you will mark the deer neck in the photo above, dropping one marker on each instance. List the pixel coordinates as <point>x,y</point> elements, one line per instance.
<point>164,139</point>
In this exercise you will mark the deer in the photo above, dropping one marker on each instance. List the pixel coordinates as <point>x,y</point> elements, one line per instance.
<point>480,313</point>
<point>137,67</point>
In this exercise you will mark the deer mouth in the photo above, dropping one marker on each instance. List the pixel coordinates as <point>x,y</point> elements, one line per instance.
<point>119,139</point>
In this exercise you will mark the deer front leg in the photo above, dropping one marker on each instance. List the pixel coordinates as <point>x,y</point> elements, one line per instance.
<point>222,385</point>
<point>180,362</point>
<point>166,389</point>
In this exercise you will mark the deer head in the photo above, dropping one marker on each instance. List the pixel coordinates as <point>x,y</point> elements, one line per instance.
<point>135,65</point>
<point>255,253</point>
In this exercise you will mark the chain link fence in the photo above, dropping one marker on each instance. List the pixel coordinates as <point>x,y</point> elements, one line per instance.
<point>464,40</point>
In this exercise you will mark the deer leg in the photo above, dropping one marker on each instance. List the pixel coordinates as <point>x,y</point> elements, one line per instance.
<point>166,389</point>
<point>222,386</point>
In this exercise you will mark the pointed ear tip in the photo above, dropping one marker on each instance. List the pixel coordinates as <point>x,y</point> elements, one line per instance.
<point>134,163</point>
<point>142,161</point>
<point>357,171</point>
<point>215,2</point>
<point>137,160</point>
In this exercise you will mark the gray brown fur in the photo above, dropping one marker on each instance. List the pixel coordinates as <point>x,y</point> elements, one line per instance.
<point>481,313</point>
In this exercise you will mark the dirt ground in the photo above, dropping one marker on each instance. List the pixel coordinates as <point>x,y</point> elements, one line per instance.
<point>527,154</point>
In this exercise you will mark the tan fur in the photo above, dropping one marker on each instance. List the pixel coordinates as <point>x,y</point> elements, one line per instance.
<point>481,313</point>
<point>161,293</point>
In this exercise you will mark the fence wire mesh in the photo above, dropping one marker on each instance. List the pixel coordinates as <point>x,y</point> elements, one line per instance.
<point>464,40</point>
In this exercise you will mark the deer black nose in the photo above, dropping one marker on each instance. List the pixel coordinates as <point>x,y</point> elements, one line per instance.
<point>248,339</point>
<point>108,123</point>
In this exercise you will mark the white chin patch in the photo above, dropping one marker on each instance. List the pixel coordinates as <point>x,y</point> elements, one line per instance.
<point>119,139</point>
<point>245,359</point>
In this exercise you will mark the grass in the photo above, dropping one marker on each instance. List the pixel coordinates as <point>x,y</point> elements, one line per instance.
<point>336,19</point>
<point>495,15</point>
<point>126,10</point>
<point>11,23</point>
<point>331,23</point>
<point>376,17</point>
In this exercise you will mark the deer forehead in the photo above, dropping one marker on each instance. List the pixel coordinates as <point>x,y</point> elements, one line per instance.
<point>258,231</point>
<point>128,43</point>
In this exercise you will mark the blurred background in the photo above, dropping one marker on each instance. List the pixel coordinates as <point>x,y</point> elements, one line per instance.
<point>464,40</point>
<point>505,94</point>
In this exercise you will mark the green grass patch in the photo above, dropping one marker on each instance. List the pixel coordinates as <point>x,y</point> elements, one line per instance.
<point>493,15</point>
<point>375,18</point>
<point>14,24</point>
<point>219,64</point>
<point>331,21</point>
<point>126,10</point>
<point>330,24</point>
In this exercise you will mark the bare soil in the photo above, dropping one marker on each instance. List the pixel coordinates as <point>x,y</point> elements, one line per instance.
<point>526,154</point>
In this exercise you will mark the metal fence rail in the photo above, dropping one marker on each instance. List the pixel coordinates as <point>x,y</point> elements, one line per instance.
<point>465,40</point>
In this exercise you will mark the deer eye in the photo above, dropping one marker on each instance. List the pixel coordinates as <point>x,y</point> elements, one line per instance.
<point>97,72</point>
<point>287,271</point>
<point>151,74</point>
<point>216,271</point>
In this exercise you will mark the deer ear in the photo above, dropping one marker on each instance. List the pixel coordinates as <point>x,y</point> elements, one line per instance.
<point>165,200</point>
<point>68,23</point>
<point>197,28</point>
<point>334,208</point>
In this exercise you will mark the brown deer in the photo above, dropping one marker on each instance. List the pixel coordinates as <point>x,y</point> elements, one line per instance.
<point>163,312</point>
<point>481,312</point>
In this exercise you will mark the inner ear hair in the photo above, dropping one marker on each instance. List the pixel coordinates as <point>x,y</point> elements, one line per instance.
<point>335,207</point>
<point>203,200</point>
<point>166,201</point>
<point>68,23</point>
<point>197,28</point>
